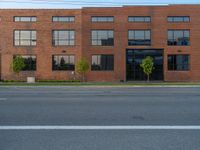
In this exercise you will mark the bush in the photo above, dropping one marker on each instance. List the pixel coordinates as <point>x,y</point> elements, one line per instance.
<point>18,64</point>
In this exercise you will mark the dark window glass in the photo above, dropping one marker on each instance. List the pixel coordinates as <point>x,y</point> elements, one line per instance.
<point>63,18</point>
<point>25,19</point>
<point>178,19</point>
<point>103,37</point>
<point>139,37</point>
<point>63,37</point>
<point>30,62</point>
<point>25,38</point>
<point>178,62</point>
<point>139,19</point>
<point>102,62</point>
<point>63,62</point>
<point>179,37</point>
<point>102,19</point>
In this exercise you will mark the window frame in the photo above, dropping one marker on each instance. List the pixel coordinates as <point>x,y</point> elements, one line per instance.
<point>31,18</point>
<point>174,66</point>
<point>149,17</point>
<point>91,39</point>
<point>100,65</point>
<point>31,55</point>
<point>69,17</point>
<point>68,40</point>
<point>68,55</point>
<point>182,37</point>
<point>183,17</point>
<point>31,40</point>
<point>107,21</point>
<point>144,36</point>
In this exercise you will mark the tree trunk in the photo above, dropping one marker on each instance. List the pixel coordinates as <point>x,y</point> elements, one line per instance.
<point>83,79</point>
<point>148,78</point>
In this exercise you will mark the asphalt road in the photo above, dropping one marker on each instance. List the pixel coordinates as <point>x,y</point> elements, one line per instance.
<point>100,106</point>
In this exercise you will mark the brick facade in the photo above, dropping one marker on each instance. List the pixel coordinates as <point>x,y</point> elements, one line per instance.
<point>83,26</point>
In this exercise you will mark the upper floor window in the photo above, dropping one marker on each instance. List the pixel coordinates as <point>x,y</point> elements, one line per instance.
<point>63,37</point>
<point>25,38</point>
<point>178,62</point>
<point>102,19</point>
<point>179,37</point>
<point>63,18</point>
<point>103,37</point>
<point>139,19</point>
<point>25,18</point>
<point>102,62</point>
<point>29,61</point>
<point>178,19</point>
<point>63,62</point>
<point>139,37</point>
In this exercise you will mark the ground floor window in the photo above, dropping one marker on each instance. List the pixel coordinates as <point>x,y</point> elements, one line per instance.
<point>29,61</point>
<point>102,62</point>
<point>178,62</point>
<point>63,62</point>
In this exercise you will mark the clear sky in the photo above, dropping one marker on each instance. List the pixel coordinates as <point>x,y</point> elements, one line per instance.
<point>85,3</point>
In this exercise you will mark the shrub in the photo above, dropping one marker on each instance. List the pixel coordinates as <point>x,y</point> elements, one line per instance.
<point>18,64</point>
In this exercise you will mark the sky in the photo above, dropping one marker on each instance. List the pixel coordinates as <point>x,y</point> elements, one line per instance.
<point>86,3</point>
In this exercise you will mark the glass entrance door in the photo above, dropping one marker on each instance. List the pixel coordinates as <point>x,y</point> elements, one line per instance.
<point>134,59</point>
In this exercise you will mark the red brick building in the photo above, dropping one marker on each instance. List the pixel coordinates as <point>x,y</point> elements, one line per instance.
<point>113,40</point>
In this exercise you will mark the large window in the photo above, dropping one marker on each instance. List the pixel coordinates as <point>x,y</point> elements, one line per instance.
<point>63,18</point>
<point>63,37</point>
<point>25,38</point>
<point>139,37</point>
<point>102,19</point>
<point>139,19</point>
<point>179,37</point>
<point>25,19</point>
<point>63,62</point>
<point>30,62</point>
<point>178,19</point>
<point>178,62</point>
<point>102,62</point>
<point>103,37</point>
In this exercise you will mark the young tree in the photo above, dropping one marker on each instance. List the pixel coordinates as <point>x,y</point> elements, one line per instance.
<point>82,66</point>
<point>147,65</point>
<point>18,64</point>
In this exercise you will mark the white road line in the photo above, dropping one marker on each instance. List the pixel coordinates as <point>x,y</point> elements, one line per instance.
<point>3,99</point>
<point>100,127</point>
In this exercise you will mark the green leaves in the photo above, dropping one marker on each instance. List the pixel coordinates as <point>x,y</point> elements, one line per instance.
<point>82,66</point>
<point>18,64</point>
<point>147,65</point>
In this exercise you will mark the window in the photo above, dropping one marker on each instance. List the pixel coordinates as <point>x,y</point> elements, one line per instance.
<point>102,62</point>
<point>25,19</point>
<point>63,18</point>
<point>63,62</point>
<point>63,37</point>
<point>103,37</point>
<point>102,19</point>
<point>179,37</point>
<point>25,38</point>
<point>178,19</point>
<point>139,19</point>
<point>178,62</point>
<point>139,37</point>
<point>30,62</point>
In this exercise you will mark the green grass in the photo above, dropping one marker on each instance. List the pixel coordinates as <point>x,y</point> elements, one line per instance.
<point>65,83</point>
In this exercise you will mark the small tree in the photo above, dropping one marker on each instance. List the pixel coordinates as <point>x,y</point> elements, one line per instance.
<point>147,65</point>
<point>18,64</point>
<point>82,66</point>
